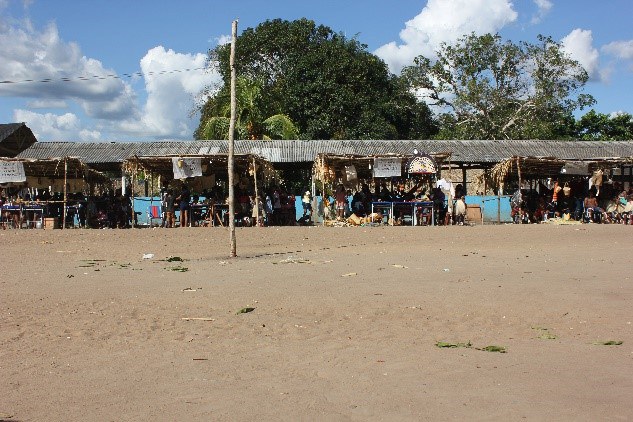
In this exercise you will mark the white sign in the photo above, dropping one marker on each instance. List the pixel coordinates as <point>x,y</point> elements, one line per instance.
<point>186,167</point>
<point>12,171</point>
<point>387,167</point>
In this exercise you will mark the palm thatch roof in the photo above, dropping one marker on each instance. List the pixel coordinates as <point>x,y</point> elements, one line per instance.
<point>522,168</point>
<point>57,168</point>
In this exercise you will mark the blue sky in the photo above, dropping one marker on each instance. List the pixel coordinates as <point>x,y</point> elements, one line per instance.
<point>57,39</point>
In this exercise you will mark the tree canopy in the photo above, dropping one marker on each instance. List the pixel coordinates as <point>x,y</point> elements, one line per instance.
<point>595,126</point>
<point>486,88</point>
<point>328,85</point>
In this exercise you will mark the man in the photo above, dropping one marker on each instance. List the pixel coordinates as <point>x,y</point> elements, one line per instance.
<point>169,208</point>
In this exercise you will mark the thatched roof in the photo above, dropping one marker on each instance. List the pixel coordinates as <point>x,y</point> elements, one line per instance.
<point>53,168</point>
<point>213,164</point>
<point>328,166</point>
<point>539,167</point>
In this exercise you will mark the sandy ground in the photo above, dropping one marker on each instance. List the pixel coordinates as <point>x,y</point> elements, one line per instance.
<point>344,326</point>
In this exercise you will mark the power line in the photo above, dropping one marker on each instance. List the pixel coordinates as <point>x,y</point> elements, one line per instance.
<point>102,77</point>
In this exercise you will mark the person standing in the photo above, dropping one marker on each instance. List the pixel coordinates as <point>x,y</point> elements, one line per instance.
<point>341,200</point>
<point>169,208</point>
<point>307,203</point>
<point>183,203</point>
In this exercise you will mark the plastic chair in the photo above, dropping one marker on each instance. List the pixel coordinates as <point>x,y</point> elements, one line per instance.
<point>153,213</point>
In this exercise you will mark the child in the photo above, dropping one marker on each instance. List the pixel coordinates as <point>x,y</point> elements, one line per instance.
<point>307,203</point>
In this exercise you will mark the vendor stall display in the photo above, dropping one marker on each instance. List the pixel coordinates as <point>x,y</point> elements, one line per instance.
<point>36,189</point>
<point>395,189</point>
<point>206,178</point>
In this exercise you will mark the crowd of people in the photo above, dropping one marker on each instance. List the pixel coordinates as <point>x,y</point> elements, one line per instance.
<point>22,206</point>
<point>445,199</point>
<point>573,200</point>
<point>273,207</point>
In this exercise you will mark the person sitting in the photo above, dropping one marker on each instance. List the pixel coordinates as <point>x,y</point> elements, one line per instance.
<point>593,212</point>
<point>627,211</point>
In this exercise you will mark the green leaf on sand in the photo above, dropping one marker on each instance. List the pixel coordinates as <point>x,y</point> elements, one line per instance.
<point>245,311</point>
<point>445,345</point>
<point>498,349</point>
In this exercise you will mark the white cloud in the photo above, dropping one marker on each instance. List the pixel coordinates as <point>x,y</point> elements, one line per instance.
<point>47,104</point>
<point>544,6</point>
<point>620,49</point>
<point>222,39</point>
<point>41,55</point>
<point>49,126</point>
<point>89,135</point>
<point>110,105</point>
<point>445,21</point>
<point>579,45</point>
<point>170,96</point>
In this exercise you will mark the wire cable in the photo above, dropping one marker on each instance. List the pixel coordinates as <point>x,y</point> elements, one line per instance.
<point>102,77</point>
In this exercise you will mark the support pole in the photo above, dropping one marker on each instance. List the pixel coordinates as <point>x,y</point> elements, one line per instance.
<point>65,193</point>
<point>132,182</point>
<point>256,193</point>
<point>231,157</point>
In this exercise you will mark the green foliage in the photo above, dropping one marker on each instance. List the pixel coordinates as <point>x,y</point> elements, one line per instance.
<point>487,88</point>
<point>602,127</point>
<point>279,126</point>
<point>329,86</point>
<point>250,112</point>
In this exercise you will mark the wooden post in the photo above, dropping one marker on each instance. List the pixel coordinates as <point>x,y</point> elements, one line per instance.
<point>231,157</point>
<point>464,180</point>
<point>519,172</point>
<point>65,193</point>
<point>132,180</point>
<point>499,204</point>
<point>256,193</point>
<point>314,200</point>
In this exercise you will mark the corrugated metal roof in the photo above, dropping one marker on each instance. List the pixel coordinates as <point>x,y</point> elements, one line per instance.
<point>298,151</point>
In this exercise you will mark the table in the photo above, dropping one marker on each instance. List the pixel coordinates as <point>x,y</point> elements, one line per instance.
<point>11,211</point>
<point>415,206</point>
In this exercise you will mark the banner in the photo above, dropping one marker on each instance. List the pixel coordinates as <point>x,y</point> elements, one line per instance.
<point>387,167</point>
<point>12,171</point>
<point>422,164</point>
<point>186,167</point>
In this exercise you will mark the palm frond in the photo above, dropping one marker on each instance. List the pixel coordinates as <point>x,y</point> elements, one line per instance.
<point>280,126</point>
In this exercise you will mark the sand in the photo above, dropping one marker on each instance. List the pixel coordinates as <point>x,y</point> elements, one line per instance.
<point>344,326</point>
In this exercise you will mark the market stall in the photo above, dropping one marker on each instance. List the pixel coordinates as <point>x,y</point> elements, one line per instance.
<point>548,186</point>
<point>206,177</point>
<point>36,189</point>
<point>397,187</point>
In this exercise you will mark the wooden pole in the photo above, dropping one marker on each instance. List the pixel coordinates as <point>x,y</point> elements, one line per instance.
<point>132,183</point>
<point>65,192</point>
<point>256,193</point>
<point>231,157</point>
<point>519,172</point>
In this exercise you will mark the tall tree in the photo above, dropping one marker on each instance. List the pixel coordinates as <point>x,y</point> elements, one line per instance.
<point>487,88</point>
<point>330,86</point>
<point>595,126</point>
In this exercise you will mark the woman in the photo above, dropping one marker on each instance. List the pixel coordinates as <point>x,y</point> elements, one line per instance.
<point>183,204</point>
<point>340,198</point>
